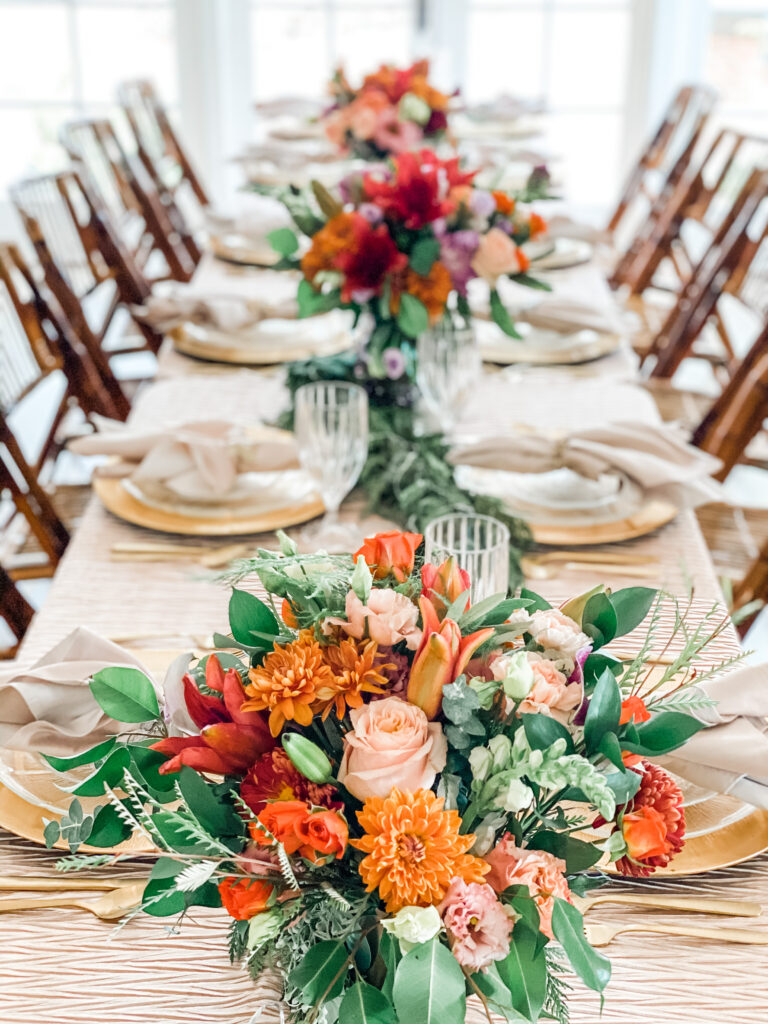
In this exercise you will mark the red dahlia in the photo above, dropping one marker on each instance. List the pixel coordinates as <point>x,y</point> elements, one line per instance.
<point>653,823</point>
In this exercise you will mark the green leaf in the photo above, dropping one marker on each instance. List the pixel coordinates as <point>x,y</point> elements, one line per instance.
<point>631,605</point>
<point>320,975</point>
<point>162,880</point>
<point>624,785</point>
<point>610,747</point>
<point>125,694</point>
<point>578,856</point>
<point>412,316</point>
<point>423,255</point>
<point>568,927</point>
<point>664,733</point>
<point>541,731</point>
<point>364,1004</point>
<point>90,756</point>
<point>312,301</point>
<point>108,828</point>
<point>284,241</point>
<point>429,986</point>
<point>497,994</point>
<point>145,767</point>
<point>524,972</point>
<point>532,282</point>
<point>604,710</point>
<point>596,664</point>
<point>598,620</point>
<point>501,317</point>
<point>108,773</point>
<point>537,603</point>
<point>217,818</point>
<point>246,614</point>
<point>51,833</point>
<point>389,953</point>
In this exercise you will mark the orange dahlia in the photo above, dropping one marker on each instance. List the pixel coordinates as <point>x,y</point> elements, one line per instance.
<point>414,849</point>
<point>433,289</point>
<point>287,681</point>
<point>331,240</point>
<point>357,668</point>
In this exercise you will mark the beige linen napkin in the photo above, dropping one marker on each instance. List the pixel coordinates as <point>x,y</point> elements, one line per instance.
<point>178,306</point>
<point>731,756</point>
<point>656,457</point>
<point>567,314</point>
<point>49,707</point>
<point>198,461</point>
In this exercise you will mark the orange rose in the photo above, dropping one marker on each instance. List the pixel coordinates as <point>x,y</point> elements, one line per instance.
<point>433,290</point>
<point>324,833</point>
<point>391,553</point>
<point>282,820</point>
<point>286,613</point>
<point>536,225</point>
<point>633,709</point>
<point>245,897</point>
<point>504,204</point>
<point>645,833</point>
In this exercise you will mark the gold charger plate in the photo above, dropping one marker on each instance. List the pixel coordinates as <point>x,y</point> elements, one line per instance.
<point>236,249</point>
<point>126,506</point>
<point>243,353</point>
<point>509,352</point>
<point>645,520</point>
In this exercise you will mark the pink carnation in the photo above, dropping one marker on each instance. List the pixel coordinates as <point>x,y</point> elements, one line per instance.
<point>551,692</point>
<point>387,618</point>
<point>477,923</point>
<point>543,874</point>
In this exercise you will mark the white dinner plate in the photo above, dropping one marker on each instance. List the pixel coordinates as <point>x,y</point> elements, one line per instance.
<point>558,253</point>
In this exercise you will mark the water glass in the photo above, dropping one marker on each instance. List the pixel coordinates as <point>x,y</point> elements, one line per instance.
<point>448,365</point>
<point>480,544</point>
<point>331,428</point>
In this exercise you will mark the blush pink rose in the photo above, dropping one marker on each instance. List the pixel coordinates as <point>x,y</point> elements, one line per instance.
<point>543,874</point>
<point>478,925</point>
<point>392,743</point>
<point>551,692</point>
<point>389,617</point>
<point>496,254</point>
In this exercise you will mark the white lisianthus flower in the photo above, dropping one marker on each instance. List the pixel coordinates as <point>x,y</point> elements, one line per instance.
<point>413,925</point>
<point>515,673</point>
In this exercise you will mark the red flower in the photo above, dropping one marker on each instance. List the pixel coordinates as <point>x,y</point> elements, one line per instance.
<point>390,553</point>
<point>633,709</point>
<point>367,262</point>
<point>273,777</point>
<point>230,739</point>
<point>245,897</point>
<point>653,824</point>
<point>417,195</point>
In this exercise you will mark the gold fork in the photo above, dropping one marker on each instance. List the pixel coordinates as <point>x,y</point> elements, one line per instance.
<point>692,904</point>
<point>109,907</point>
<point>602,934</point>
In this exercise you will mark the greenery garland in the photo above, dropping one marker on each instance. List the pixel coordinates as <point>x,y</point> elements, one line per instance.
<point>407,476</point>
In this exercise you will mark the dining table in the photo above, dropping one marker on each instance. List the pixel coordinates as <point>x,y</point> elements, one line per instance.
<point>64,966</point>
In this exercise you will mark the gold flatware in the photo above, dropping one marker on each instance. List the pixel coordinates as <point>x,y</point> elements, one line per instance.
<point>618,557</point>
<point>109,907</point>
<point>550,571</point>
<point>64,883</point>
<point>210,557</point>
<point>602,934</point>
<point>692,904</point>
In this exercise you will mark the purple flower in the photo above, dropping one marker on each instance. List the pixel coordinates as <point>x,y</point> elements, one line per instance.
<point>394,362</point>
<point>482,203</point>
<point>371,212</point>
<point>457,248</point>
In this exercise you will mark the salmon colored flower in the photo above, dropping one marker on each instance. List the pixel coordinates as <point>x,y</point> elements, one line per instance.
<point>645,833</point>
<point>287,681</point>
<point>243,898</point>
<point>550,693</point>
<point>541,872</point>
<point>413,849</point>
<point>387,617</point>
<point>442,584</point>
<point>273,777</point>
<point>357,668</point>
<point>231,737</point>
<point>324,834</point>
<point>633,709</point>
<point>497,255</point>
<point>390,554</point>
<point>431,289</point>
<point>313,834</point>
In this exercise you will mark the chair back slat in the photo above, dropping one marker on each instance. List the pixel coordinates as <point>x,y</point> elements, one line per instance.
<point>15,610</point>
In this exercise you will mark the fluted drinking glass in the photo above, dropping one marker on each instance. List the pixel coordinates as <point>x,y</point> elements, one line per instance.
<point>480,544</point>
<point>448,365</point>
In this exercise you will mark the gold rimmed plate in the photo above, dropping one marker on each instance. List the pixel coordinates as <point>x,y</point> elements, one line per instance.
<point>234,248</point>
<point>646,519</point>
<point>540,347</point>
<point>268,342</point>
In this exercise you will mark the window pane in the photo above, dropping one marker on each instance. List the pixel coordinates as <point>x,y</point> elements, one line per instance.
<point>126,43</point>
<point>34,131</point>
<point>588,61</point>
<point>589,145</point>
<point>505,50</point>
<point>35,60</point>
<point>371,36</point>
<point>737,61</point>
<point>291,53</point>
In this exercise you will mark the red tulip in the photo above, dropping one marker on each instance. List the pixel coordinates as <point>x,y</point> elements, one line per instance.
<point>442,656</point>
<point>230,739</point>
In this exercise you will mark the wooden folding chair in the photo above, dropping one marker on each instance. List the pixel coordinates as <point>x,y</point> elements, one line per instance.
<point>85,265</point>
<point>148,223</point>
<point>732,266</point>
<point>157,144</point>
<point>667,155</point>
<point>35,340</point>
<point>15,610</point>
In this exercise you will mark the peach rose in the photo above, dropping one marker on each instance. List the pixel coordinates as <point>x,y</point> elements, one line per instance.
<point>550,691</point>
<point>389,617</point>
<point>496,254</point>
<point>543,874</point>
<point>391,743</point>
<point>364,115</point>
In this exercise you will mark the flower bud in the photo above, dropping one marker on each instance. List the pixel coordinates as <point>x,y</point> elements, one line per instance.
<point>486,690</point>
<point>414,108</point>
<point>480,761</point>
<point>307,758</point>
<point>361,580</point>
<point>517,677</point>
<point>500,748</point>
<point>516,796</point>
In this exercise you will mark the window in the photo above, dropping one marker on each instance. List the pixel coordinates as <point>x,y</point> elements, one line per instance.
<point>737,62</point>
<point>63,58</point>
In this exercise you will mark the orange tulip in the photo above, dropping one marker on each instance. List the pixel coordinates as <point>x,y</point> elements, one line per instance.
<point>442,656</point>
<point>390,554</point>
<point>442,584</point>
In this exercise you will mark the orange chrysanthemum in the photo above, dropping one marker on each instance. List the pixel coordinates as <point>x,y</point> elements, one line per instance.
<point>433,289</point>
<point>287,681</point>
<point>334,238</point>
<point>357,669</point>
<point>414,849</point>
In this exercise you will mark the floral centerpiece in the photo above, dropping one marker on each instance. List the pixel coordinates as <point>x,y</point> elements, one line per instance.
<point>401,243</point>
<point>394,110</point>
<point>395,793</point>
